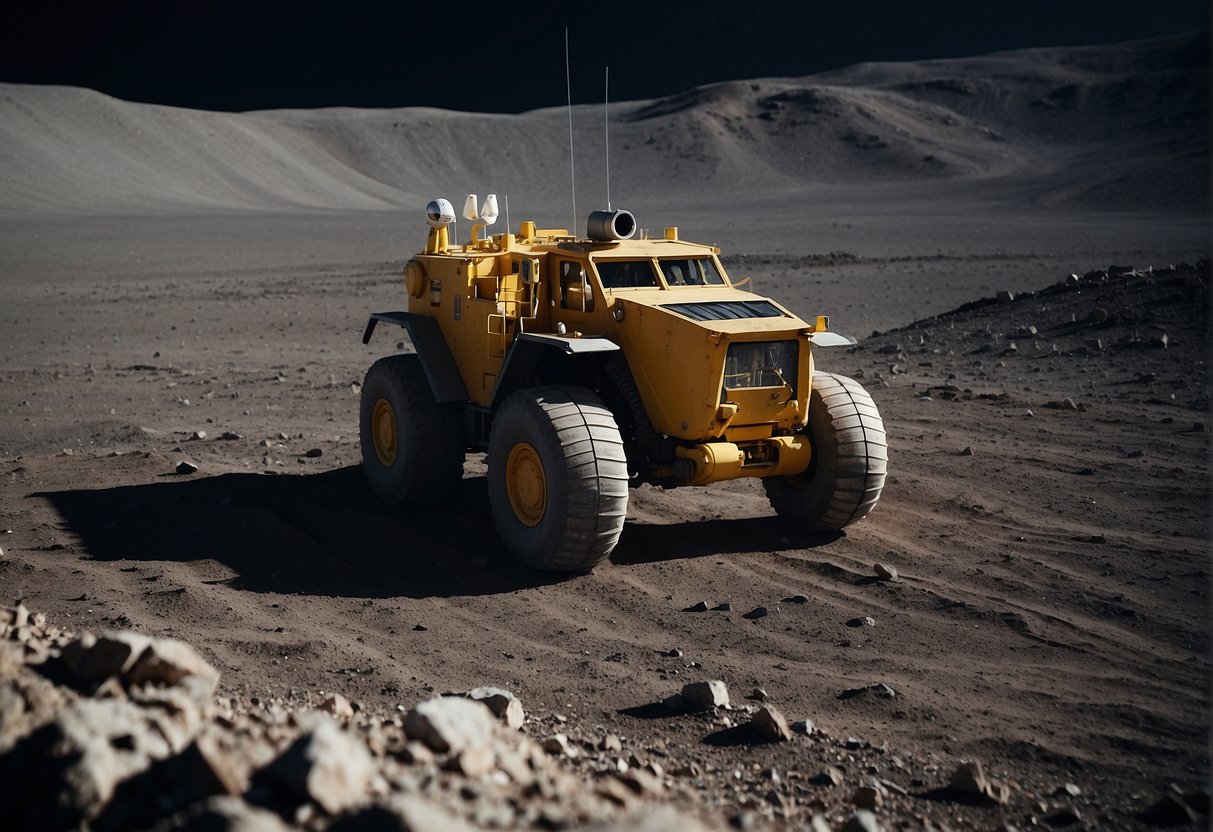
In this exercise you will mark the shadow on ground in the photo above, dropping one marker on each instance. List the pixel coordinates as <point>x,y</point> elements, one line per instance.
<point>326,534</point>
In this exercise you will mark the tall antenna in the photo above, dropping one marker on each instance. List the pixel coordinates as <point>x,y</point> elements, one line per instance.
<point>568,80</point>
<point>606,129</point>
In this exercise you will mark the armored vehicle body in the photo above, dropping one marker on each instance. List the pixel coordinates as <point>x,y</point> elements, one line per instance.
<point>588,364</point>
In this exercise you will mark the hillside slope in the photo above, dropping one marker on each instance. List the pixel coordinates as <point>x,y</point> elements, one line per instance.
<point>1104,126</point>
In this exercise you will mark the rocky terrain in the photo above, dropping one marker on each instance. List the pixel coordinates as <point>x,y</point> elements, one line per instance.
<point>1017,636</point>
<point>119,730</point>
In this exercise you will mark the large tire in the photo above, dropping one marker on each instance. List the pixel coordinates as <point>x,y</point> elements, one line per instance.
<point>558,478</point>
<point>412,447</point>
<point>849,464</point>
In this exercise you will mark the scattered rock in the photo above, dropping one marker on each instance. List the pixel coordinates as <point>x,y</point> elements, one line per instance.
<point>338,706</point>
<point>1066,816</point>
<point>863,820</point>
<point>966,451</point>
<point>1171,810</point>
<point>757,694</point>
<point>325,765</point>
<point>450,724</point>
<point>1004,296</point>
<point>610,743</point>
<point>558,744</point>
<point>705,696</point>
<point>314,453</point>
<point>867,797</point>
<point>885,572</point>
<point>803,726</point>
<point>674,653</point>
<point>757,612</point>
<point>226,812</point>
<point>770,724</point>
<point>504,705</point>
<point>198,435</point>
<point>169,662</point>
<point>883,691</point>
<point>796,599</point>
<point>698,606</point>
<point>93,658</point>
<point>724,606</point>
<point>829,776</point>
<point>230,436</point>
<point>184,467</point>
<point>865,621</point>
<point>474,762</point>
<point>970,781</point>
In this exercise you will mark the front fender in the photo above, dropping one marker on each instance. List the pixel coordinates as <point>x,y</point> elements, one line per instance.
<point>528,348</point>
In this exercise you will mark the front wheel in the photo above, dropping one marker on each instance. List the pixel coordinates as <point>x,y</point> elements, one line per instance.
<point>558,478</point>
<point>412,447</point>
<point>849,463</point>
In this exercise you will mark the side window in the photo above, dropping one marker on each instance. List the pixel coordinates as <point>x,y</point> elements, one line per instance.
<point>575,290</point>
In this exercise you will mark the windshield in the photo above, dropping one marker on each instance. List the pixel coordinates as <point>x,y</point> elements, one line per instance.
<point>626,274</point>
<point>691,271</point>
<point>761,364</point>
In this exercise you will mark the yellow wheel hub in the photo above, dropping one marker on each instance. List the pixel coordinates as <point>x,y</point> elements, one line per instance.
<point>526,485</point>
<point>383,432</point>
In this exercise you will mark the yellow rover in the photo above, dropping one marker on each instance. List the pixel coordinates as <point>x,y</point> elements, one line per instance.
<point>587,364</point>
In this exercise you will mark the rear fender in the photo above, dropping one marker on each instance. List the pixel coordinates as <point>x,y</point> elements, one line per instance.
<point>436,360</point>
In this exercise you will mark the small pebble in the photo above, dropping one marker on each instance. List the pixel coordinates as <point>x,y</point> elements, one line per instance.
<point>757,612</point>
<point>184,467</point>
<point>865,621</point>
<point>698,606</point>
<point>313,453</point>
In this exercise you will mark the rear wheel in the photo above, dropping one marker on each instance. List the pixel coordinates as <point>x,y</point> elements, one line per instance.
<point>412,447</point>
<point>558,478</point>
<point>849,464</point>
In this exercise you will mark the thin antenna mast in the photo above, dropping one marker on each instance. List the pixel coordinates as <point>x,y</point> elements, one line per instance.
<point>606,129</point>
<point>568,80</point>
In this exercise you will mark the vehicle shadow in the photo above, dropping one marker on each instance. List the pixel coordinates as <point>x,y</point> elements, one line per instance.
<point>326,534</point>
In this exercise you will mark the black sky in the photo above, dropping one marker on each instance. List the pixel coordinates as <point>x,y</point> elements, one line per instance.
<point>509,56</point>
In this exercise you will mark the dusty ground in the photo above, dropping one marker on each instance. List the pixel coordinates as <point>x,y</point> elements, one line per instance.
<point>1052,618</point>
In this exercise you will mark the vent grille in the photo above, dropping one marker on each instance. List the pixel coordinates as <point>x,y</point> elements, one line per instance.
<point>726,310</point>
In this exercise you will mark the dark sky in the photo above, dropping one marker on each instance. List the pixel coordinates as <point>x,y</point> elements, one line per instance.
<point>509,56</point>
